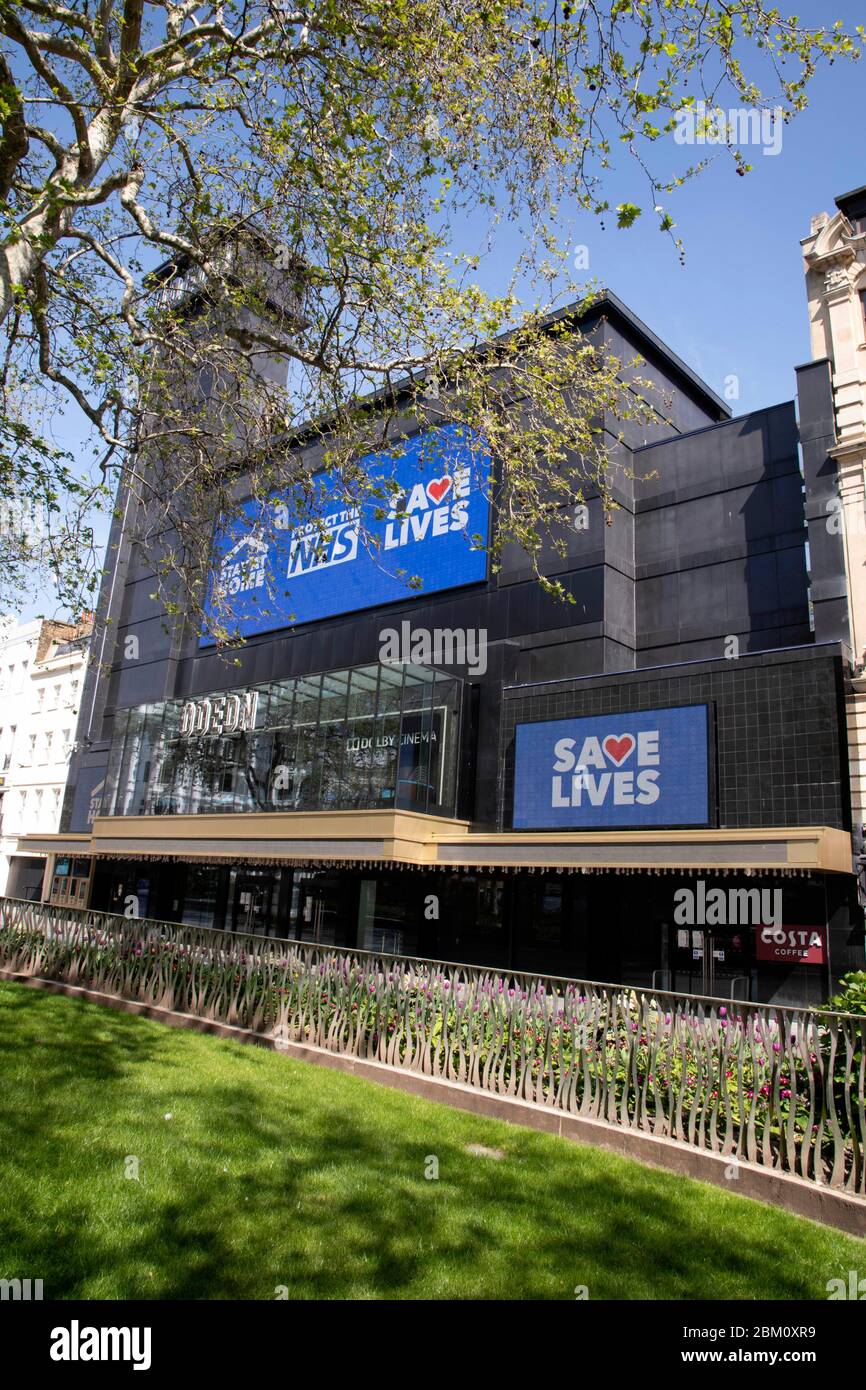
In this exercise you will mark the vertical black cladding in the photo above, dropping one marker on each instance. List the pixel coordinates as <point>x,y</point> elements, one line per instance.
<point>720,541</point>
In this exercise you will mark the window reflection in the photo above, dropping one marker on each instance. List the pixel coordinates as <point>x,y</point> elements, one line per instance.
<point>367,737</point>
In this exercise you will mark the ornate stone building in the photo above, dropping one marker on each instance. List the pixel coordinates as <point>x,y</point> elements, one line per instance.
<point>42,667</point>
<point>834,255</point>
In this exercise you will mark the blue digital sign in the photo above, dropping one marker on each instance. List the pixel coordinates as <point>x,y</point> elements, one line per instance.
<point>613,771</point>
<point>414,537</point>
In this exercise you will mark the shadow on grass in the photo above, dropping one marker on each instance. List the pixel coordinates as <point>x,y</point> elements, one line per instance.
<point>278,1173</point>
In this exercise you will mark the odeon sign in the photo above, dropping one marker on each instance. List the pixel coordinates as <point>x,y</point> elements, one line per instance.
<point>222,714</point>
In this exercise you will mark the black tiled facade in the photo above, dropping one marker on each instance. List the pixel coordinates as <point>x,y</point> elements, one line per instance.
<point>778,737</point>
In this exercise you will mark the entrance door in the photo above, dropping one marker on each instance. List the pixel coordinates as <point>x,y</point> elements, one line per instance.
<point>312,913</point>
<point>251,909</point>
<point>712,961</point>
<point>325,908</point>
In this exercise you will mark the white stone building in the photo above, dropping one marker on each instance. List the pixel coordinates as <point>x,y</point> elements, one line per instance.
<point>42,667</point>
<point>834,258</point>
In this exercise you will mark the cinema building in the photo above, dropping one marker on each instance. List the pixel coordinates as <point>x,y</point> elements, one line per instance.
<point>614,789</point>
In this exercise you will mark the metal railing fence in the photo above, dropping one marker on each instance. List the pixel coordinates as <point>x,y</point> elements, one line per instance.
<point>777,1086</point>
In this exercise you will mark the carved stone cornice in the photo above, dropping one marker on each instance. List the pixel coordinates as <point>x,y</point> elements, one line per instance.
<point>837,278</point>
<point>849,451</point>
<point>832,255</point>
<point>838,257</point>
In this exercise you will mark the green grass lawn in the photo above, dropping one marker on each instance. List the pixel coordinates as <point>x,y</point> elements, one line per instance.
<point>256,1171</point>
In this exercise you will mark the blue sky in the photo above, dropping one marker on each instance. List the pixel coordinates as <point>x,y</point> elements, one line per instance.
<point>738,305</point>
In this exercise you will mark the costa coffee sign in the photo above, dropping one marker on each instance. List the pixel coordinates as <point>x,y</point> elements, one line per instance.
<point>218,715</point>
<point>792,945</point>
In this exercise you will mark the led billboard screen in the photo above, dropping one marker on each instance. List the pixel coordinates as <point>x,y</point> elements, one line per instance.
<point>397,545</point>
<point>613,771</point>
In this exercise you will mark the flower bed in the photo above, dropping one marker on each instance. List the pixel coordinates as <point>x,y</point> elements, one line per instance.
<point>781,1087</point>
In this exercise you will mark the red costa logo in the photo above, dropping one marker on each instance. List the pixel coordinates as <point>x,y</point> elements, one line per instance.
<point>800,945</point>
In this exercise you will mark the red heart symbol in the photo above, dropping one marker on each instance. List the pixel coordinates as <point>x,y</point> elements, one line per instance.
<point>618,749</point>
<point>438,488</point>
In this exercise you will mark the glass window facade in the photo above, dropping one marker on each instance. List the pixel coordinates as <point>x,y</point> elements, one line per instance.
<point>360,739</point>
